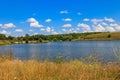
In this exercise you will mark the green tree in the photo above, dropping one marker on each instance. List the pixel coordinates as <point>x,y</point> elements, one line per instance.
<point>2,37</point>
<point>109,36</point>
<point>27,38</point>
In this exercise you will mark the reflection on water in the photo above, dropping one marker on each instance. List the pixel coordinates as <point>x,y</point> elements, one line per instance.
<point>71,50</point>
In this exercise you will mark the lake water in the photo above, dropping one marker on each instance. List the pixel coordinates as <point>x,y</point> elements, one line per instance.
<point>103,50</point>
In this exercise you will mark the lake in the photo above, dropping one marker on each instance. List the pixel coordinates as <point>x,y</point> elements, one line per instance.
<point>103,50</point>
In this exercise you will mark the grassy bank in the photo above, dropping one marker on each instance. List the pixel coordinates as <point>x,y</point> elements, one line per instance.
<point>73,70</point>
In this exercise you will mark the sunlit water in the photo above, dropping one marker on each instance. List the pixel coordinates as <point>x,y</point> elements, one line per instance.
<point>103,50</point>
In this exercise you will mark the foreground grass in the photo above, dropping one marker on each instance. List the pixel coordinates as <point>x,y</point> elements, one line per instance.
<point>73,70</point>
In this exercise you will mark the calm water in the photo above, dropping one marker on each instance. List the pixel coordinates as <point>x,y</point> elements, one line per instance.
<point>69,50</point>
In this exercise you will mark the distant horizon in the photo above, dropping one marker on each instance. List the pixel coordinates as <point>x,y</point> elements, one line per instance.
<point>57,34</point>
<point>47,17</point>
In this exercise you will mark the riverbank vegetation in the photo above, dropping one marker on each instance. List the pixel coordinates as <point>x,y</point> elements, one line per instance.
<point>47,70</point>
<point>58,69</point>
<point>59,37</point>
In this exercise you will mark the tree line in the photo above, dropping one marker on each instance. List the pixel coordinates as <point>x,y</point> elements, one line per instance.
<point>46,38</point>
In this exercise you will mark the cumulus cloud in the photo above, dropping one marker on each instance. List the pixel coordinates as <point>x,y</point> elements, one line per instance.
<point>48,20</point>
<point>96,21</point>
<point>30,30</point>
<point>86,19</point>
<point>48,29</point>
<point>99,28</point>
<point>19,30</point>
<point>103,23</point>
<point>34,23</point>
<point>116,26</point>
<point>36,33</point>
<point>42,29</point>
<point>84,27</point>
<point>37,25</point>
<point>67,19</point>
<point>5,32</point>
<point>55,32</point>
<point>110,29</point>
<point>64,30</point>
<point>67,25</point>
<point>32,20</point>
<point>109,19</point>
<point>1,25</point>
<point>69,30</point>
<point>8,25</point>
<point>64,12</point>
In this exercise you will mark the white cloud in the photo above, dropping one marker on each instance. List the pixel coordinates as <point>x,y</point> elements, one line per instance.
<point>110,28</point>
<point>42,29</point>
<point>64,12</point>
<point>116,26</point>
<point>35,33</point>
<point>8,25</point>
<point>34,23</point>
<point>70,30</point>
<point>64,30</point>
<point>95,21</point>
<point>48,20</point>
<point>48,29</point>
<point>109,19</point>
<point>32,20</point>
<point>67,19</point>
<point>55,33</point>
<point>52,29</point>
<point>103,23</point>
<point>67,25</point>
<point>19,30</point>
<point>99,28</point>
<point>84,27</point>
<point>37,25</point>
<point>1,25</point>
<point>86,19</point>
<point>5,32</point>
<point>30,30</point>
<point>77,29</point>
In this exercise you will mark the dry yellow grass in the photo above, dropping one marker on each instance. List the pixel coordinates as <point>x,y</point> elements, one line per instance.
<point>73,70</point>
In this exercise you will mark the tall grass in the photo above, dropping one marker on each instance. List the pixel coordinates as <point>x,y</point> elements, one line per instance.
<point>57,70</point>
<point>117,53</point>
<point>72,70</point>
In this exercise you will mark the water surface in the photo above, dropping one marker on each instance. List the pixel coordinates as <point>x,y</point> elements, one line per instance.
<point>70,50</point>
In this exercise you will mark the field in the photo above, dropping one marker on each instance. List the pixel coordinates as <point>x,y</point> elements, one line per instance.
<point>104,36</point>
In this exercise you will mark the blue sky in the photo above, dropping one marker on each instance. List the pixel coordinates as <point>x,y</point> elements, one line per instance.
<point>20,17</point>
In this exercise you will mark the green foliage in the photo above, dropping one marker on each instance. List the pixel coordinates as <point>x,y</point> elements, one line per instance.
<point>40,40</point>
<point>61,37</point>
<point>109,36</point>
<point>2,37</point>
